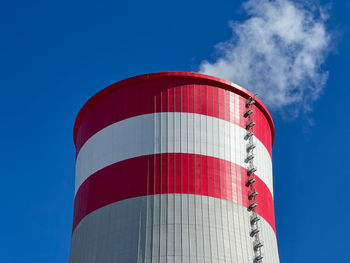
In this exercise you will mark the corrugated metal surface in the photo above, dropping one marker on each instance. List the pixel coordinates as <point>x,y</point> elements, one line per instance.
<point>169,228</point>
<point>168,133</point>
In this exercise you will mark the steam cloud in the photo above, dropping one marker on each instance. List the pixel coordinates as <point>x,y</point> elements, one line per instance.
<point>277,52</point>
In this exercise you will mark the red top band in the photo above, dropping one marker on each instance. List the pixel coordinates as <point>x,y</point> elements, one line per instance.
<point>151,82</point>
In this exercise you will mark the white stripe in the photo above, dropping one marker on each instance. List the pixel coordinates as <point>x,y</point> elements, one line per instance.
<point>175,227</point>
<point>169,132</point>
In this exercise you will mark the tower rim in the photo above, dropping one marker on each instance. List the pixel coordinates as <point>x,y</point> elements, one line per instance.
<point>228,85</point>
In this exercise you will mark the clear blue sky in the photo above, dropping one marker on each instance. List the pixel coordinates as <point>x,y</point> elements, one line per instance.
<point>56,54</point>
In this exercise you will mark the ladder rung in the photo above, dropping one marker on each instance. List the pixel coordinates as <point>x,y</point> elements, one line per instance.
<point>249,112</point>
<point>252,206</point>
<point>251,147</point>
<point>258,245</point>
<point>254,231</point>
<point>251,170</point>
<point>253,194</point>
<point>249,134</point>
<point>254,219</point>
<point>258,259</point>
<point>249,125</point>
<point>250,157</point>
<point>251,102</point>
<point>250,182</point>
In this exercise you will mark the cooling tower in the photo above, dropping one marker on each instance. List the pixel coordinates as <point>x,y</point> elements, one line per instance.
<point>173,167</point>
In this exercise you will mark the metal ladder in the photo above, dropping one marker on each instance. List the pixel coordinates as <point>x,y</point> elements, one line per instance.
<point>252,193</point>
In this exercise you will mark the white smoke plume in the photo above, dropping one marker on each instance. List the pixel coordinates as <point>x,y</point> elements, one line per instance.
<point>276,52</point>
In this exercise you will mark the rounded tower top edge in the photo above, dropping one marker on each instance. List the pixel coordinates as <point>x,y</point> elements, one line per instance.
<point>173,74</point>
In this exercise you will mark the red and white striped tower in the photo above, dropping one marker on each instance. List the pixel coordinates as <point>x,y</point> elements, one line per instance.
<point>173,167</point>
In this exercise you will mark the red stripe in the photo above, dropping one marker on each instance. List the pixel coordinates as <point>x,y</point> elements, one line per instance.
<point>170,173</point>
<point>168,95</point>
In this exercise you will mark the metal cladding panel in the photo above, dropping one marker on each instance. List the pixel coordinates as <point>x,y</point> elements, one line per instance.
<point>169,228</point>
<point>161,173</point>
<point>167,133</point>
<point>157,174</point>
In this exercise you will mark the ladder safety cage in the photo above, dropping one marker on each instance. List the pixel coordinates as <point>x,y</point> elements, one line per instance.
<point>252,193</point>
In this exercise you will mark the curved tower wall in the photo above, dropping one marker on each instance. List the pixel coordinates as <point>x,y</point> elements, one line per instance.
<point>162,171</point>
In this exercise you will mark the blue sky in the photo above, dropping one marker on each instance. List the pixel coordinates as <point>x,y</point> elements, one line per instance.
<point>56,54</point>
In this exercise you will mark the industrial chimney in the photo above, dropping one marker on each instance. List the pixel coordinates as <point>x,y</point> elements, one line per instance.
<point>173,167</point>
